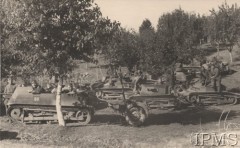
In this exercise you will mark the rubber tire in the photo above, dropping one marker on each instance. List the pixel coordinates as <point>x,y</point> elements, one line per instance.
<point>88,119</point>
<point>134,121</point>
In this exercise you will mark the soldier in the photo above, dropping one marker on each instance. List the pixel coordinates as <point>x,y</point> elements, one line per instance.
<point>170,80</point>
<point>36,89</point>
<point>9,89</point>
<point>205,73</point>
<point>216,75</point>
<point>137,81</point>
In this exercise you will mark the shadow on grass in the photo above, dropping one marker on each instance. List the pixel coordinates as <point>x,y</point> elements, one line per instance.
<point>108,119</point>
<point>7,135</point>
<point>103,119</point>
<point>184,117</point>
<point>189,116</point>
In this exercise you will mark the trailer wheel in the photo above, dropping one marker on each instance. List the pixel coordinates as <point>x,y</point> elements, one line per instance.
<point>194,99</point>
<point>136,116</point>
<point>84,116</point>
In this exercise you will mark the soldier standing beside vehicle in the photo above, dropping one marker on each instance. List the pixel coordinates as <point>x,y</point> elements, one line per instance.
<point>9,89</point>
<point>170,81</point>
<point>216,75</point>
<point>137,81</point>
<point>205,74</point>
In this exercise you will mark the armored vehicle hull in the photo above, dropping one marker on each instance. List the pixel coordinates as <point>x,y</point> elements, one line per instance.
<point>30,107</point>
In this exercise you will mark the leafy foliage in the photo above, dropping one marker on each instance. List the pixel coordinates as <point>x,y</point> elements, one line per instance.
<point>122,49</point>
<point>180,33</point>
<point>38,36</point>
<point>48,34</point>
<point>224,24</point>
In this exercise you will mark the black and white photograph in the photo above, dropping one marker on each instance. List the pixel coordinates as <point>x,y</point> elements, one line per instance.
<point>120,73</point>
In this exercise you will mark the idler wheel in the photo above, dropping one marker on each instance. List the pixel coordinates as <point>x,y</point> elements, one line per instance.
<point>232,101</point>
<point>84,116</point>
<point>135,116</point>
<point>15,113</point>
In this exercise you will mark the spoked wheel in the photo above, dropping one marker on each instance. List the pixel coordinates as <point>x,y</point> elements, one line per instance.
<point>136,116</point>
<point>84,116</point>
<point>194,99</point>
<point>15,113</point>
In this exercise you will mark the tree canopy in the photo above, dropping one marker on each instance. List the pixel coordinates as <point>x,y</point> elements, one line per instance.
<point>38,36</point>
<point>42,35</point>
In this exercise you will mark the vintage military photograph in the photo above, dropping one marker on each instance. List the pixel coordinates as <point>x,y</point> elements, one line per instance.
<point>120,73</point>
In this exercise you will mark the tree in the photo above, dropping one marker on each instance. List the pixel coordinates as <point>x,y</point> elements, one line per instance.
<point>48,35</point>
<point>122,49</point>
<point>178,34</point>
<point>224,27</point>
<point>146,44</point>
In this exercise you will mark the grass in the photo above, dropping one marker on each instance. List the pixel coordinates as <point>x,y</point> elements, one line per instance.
<point>169,129</point>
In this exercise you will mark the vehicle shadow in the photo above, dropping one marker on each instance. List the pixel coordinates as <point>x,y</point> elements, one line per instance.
<point>190,116</point>
<point>7,135</point>
<point>108,119</point>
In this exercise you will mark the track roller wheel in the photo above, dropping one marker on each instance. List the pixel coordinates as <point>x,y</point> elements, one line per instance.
<point>84,116</point>
<point>136,116</point>
<point>15,113</point>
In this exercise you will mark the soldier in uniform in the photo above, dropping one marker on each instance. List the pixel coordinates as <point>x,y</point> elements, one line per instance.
<point>170,80</point>
<point>216,75</point>
<point>36,89</point>
<point>9,89</point>
<point>137,81</point>
<point>205,78</point>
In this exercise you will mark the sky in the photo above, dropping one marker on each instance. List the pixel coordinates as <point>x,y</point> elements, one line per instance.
<point>131,13</point>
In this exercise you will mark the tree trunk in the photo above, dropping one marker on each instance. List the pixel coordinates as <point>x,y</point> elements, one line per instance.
<point>230,56</point>
<point>218,49</point>
<point>61,121</point>
<point>230,53</point>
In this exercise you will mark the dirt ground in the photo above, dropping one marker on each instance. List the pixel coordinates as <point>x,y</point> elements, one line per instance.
<point>108,129</point>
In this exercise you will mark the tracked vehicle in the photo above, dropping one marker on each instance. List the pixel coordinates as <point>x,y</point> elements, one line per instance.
<point>41,107</point>
<point>136,107</point>
<point>205,95</point>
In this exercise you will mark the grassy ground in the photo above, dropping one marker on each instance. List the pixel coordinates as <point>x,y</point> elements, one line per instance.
<point>169,129</point>
<point>108,129</point>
